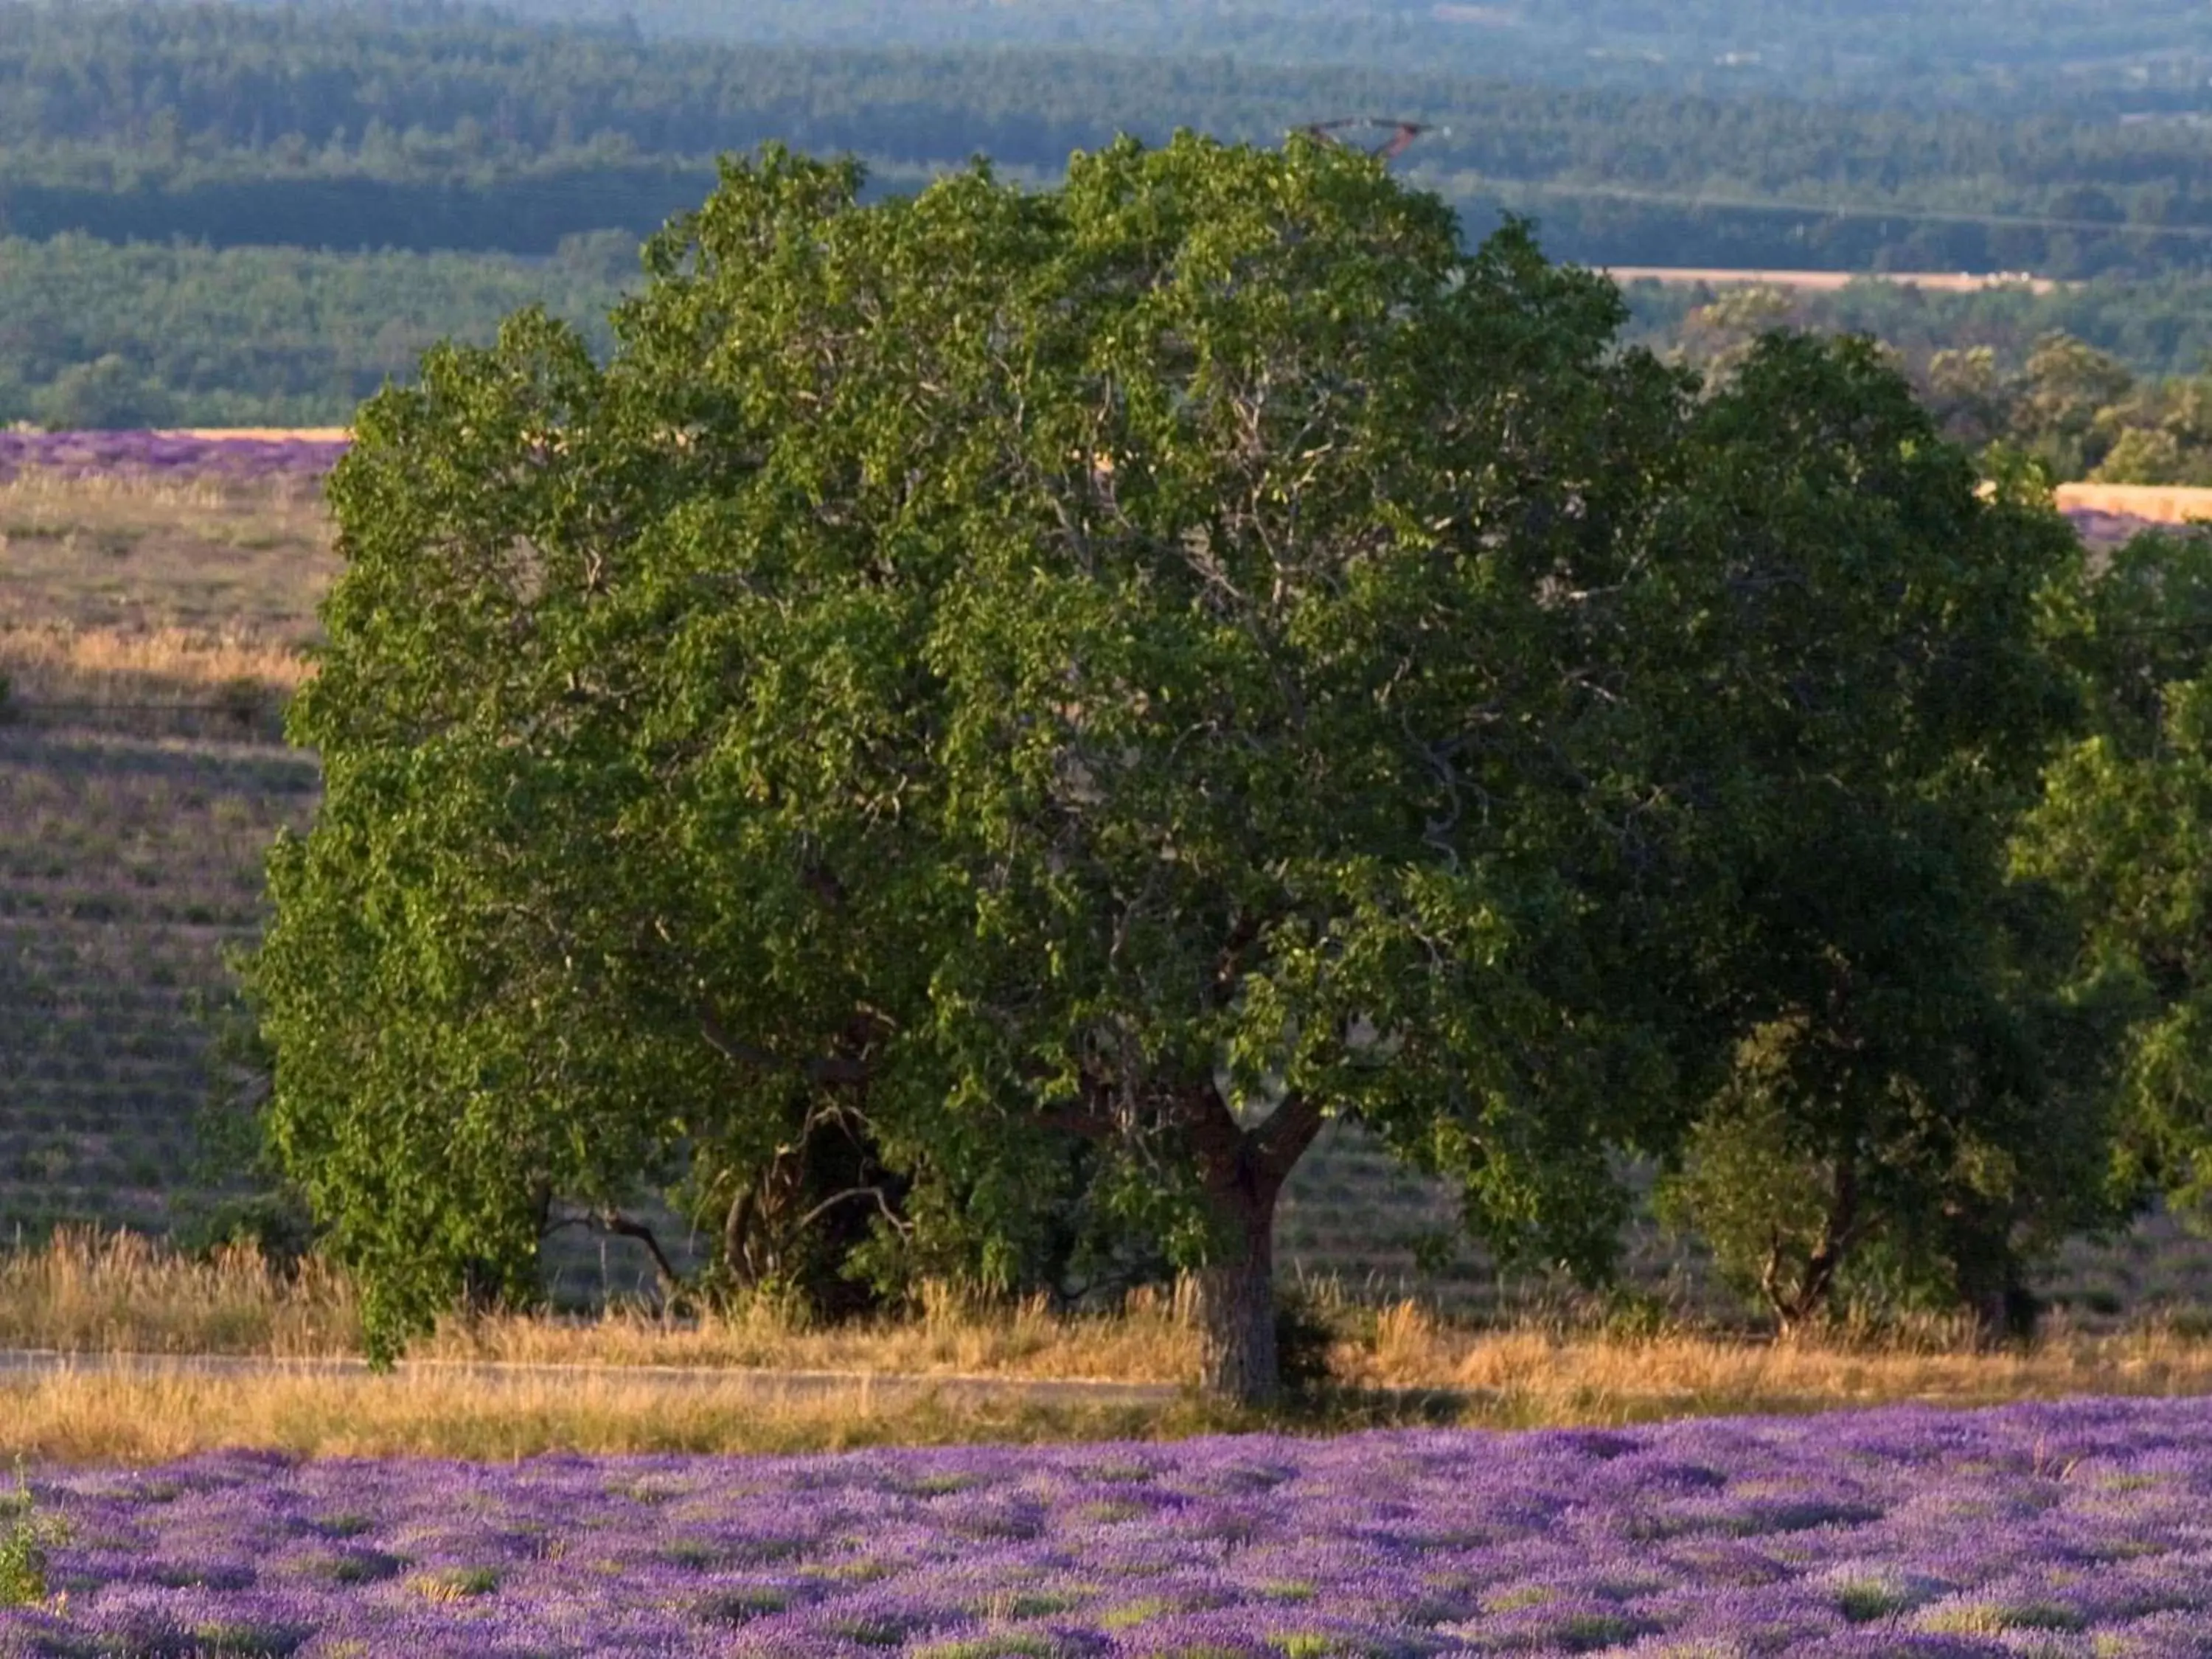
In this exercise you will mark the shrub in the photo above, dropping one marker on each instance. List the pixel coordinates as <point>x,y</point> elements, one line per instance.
<point>23,1546</point>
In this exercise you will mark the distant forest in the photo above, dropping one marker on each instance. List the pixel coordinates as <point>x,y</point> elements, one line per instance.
<point>2021,55</point>
<point>93,335</point>
<point>456,130</point>
<point>257,212</point>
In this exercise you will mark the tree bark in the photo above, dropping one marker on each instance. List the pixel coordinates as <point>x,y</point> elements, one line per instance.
<point>1237,1360</point>
<point>1243,1171</point>
<point>1813,1296</point>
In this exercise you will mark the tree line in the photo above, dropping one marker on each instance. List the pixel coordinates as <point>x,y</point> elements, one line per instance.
<point>100,334</point>
<point>2047,396</point>
<point>347,128</point>
<point>990,717</point>
<point>92,335</point>
<point>2010,54</point>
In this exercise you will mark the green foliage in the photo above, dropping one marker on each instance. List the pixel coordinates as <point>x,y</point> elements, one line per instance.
<point>1884,1070</point>
<point>1146,667</point>
<point>92,335</point>
<point>2029,56</point>
<point>1748,1187</point>
<point>243,1195</point>
<point>25,1541</point>
<point>2077,410</point>
<point>2122,830</point>
<point>106,392</point>
<point>276,1225</point>
<point>346,128</point>
<point>161,168</point>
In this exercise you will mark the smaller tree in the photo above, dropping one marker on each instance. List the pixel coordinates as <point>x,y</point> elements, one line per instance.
<point>2063,411</point>
<point>1828,1173</point>
<point>2125,829</point>
<point>1889,706</point>
<point>1968,394</point>
<point>105,394</point>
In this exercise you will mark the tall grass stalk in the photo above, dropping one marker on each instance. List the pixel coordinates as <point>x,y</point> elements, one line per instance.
<point>91,1291</point>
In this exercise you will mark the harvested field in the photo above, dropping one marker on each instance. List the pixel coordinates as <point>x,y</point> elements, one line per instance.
<point>2150,504</point>
<point>1941,282</point>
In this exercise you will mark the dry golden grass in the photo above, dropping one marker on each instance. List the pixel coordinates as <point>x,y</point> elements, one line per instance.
<point>1560,1375</point>
<point>107,1293</point>
<point>117,1418</point>
<point>92,1295</point>
<point>1502,1380</point>
<point>1151,1340</point>
<point>89,1293</point>
<point>110,665</point>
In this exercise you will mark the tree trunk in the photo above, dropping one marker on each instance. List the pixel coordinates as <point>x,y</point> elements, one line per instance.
<point>1237,1360</point>
<point>1811,1297</point>
<point>1989,1276</point>
<point>1242,1171</point>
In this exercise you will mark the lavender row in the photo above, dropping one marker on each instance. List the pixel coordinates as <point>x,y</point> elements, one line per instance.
<point>2082,1528</point>
<point>172,454</point>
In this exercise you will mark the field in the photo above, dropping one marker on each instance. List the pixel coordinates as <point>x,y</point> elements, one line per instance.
<point>2148,503</point>
<point>153,602</point>
<point>156,596</point>
<point>2057,1529</point>
<point>1939,281</point>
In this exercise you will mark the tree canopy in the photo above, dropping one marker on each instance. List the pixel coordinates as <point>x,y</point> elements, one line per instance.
<point>1065,692</point>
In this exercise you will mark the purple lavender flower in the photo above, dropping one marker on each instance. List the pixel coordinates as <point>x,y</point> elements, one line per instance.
<point>2081,1527</point>
<point>158,455</point>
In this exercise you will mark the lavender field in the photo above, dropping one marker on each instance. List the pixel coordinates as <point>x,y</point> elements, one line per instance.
<point>82,455</point>
<point>2081,1527</point>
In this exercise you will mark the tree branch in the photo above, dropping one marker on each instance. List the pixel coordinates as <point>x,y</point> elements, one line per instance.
<point>1290,1129</point>
<point>831,1202</point>
<point>622,1226</point>
<point>828,1071</point>
<point>1085,1125</point>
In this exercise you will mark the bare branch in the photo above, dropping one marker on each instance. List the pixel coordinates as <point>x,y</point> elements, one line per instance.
<point>883,1203</point>
<point>623,1226</point>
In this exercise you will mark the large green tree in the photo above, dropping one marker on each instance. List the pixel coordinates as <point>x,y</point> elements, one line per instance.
<point>1134,669</point>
